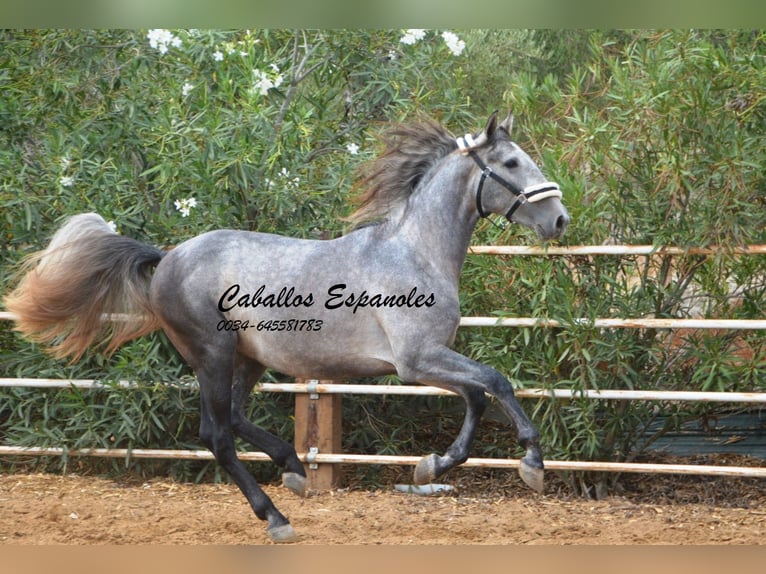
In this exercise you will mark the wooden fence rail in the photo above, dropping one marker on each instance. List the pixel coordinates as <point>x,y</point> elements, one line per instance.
<point>648,250</point>
<point>316,387</point>
<point>318,406</point>
<point>337,459</point>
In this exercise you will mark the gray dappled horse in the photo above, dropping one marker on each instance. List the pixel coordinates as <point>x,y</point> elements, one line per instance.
<point>381,300</point>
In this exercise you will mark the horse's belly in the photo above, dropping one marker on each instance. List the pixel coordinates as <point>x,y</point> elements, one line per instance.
<point>318,348</point>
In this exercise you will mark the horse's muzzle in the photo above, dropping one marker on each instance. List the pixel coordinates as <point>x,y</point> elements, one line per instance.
<point>553,229</point>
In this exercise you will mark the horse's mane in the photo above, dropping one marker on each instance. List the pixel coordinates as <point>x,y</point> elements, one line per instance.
<point>410,151</point>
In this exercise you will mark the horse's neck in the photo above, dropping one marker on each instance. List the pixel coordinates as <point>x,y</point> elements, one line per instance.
<point>439,220</point>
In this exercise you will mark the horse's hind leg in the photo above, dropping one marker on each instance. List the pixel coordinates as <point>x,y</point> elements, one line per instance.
<point>246,375</point>
<point>216,432</point>
<point>212,359</point>
<point>189,320</point>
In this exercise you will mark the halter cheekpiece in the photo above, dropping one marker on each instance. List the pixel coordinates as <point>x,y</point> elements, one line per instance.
<point>530,194</point>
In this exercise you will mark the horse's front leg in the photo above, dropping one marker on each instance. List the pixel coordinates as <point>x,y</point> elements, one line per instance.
<point>434,465</point>
<point>450,370</point>
<point>531,469</point>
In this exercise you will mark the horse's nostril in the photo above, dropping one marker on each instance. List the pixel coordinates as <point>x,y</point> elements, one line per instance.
<point>562,222</point>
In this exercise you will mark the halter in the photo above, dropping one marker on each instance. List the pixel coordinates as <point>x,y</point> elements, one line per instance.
<point>530,194</point>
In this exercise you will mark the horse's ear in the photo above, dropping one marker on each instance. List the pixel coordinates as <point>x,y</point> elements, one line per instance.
<point>507,123</point>
<point>491,126</point>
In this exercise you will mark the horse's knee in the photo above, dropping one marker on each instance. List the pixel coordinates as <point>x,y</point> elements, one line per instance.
<point>238,422</point>
<point>476,400</point>
<point>496,384</point>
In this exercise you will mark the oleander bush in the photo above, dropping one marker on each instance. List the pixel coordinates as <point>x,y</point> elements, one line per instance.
<point>656,138</point>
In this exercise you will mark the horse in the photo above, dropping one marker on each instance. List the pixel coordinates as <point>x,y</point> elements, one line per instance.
<point>381,299</point>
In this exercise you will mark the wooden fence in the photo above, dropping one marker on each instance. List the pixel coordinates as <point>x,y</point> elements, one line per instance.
<point>318,405</point>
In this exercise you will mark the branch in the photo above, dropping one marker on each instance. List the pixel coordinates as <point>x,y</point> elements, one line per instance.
<point>297,76</point>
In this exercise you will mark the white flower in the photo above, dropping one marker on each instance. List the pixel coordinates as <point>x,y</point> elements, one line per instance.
<point>64,162</point>
<point>66,181</point>
<point>112,225</point>
<point>285,181</point>
<point>186,88</point>
<point>412,36</point>
<point>277,77</point>
<point>285,175</point>
<point>160,39</point>
<point>353,148</point>
<point>263,82</point>
<point>218,56</point>
<point>185,205</point>
<point>455,44</point>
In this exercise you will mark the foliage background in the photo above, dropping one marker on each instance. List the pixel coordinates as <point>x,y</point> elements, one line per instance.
<point>657,137</point>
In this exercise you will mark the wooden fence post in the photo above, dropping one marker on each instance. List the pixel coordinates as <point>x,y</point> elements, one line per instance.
<point>318,421</point>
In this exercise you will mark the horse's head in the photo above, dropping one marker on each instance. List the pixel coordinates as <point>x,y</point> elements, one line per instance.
<point>510,183</point>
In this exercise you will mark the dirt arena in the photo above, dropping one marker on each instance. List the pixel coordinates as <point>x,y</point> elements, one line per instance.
<point>86,510</point>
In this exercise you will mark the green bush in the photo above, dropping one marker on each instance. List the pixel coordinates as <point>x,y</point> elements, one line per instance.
<point>656,138</point>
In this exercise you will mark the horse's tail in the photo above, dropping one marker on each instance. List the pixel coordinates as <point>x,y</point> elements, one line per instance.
<point>86,272</point>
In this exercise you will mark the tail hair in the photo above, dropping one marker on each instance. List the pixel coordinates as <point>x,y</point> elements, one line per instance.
<point>89,285</point>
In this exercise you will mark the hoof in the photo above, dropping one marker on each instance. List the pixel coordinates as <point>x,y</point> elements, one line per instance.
<point>425,471</point>
<point>284,533</point>
<point>533,477</point>
<point>294,482</point>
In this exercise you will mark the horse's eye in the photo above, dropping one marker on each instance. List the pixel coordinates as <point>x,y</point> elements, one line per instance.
<point>512,163</point>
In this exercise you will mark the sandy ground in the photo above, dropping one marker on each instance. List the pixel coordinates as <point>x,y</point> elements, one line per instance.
<point>85,510</point>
